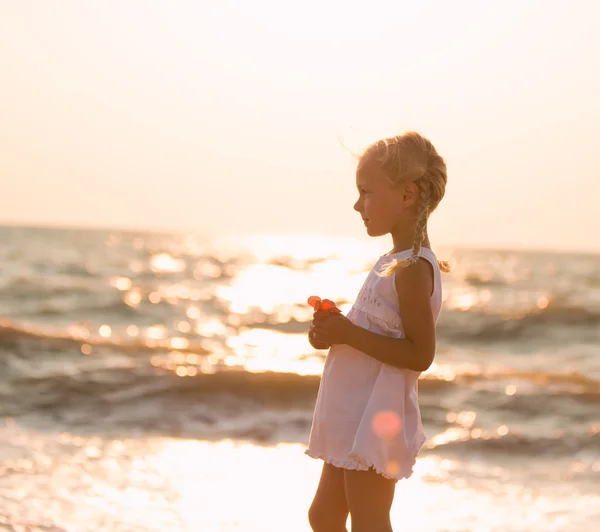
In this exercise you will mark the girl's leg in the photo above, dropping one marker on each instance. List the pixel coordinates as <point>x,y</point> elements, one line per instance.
<point>329,510</point>
<point>369,497</point>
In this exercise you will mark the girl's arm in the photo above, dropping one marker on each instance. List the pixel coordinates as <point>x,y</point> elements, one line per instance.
<point>414,285</point>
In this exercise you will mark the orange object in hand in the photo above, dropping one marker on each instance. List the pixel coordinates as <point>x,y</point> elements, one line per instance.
<point>325,304</point>
<point>315,302</point>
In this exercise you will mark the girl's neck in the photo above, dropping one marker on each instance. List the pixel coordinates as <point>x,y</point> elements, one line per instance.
<point>403,242</point>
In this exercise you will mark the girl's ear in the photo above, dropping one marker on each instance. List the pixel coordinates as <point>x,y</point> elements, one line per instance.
<point>410,193</point>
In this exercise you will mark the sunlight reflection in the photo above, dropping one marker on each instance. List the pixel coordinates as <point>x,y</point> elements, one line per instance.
<point>179,343</point>
<point>262,285</point>
<point>464,301</point>
<point>211,327</point>
<point>443,372</point>
<point>466,419</point>
<point>195,479</point>
<point>193,313</point>
<point>156,331</point>
<point>543,302</point>
<point>274,283</point>
<point>86,349</point>
<point>306,247</point>
<point>224,477</point>
<point>268,350</point>
<point>190,485</point>
<point>184,326</point>
<point>121,283</point>
<point>154,297</point>
<point>78,331</point>
<point>502,430</point>
<point>450,435</point>
<point>207,269</point>
<point>133,298</point>
<point>163,262</point>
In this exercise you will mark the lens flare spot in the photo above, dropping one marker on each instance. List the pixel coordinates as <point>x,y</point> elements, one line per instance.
<point>387,424</point>
<point>393,468</point>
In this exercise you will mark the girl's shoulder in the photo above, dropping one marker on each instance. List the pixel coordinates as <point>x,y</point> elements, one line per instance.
<point>388,265</point>
<point>391,258</point>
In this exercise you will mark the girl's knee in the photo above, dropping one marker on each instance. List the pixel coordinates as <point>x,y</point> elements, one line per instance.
<point>315,518</point>
<point>371,523</point>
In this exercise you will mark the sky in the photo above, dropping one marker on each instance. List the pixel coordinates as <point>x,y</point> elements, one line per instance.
<point>226,117</point>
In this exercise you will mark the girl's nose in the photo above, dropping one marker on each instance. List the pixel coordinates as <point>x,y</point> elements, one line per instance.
<point>357,206</point>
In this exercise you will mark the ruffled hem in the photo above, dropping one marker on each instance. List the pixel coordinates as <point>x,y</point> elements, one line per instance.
<point>356,463</point>
<point>337,462</point>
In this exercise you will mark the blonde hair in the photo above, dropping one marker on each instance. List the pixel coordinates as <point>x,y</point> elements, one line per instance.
<point>412,157</point>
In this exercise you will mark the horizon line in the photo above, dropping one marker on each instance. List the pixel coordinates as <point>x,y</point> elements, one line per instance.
<point>59,226</point>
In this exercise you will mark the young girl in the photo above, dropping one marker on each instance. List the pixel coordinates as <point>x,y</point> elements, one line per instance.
<point>369,383</point>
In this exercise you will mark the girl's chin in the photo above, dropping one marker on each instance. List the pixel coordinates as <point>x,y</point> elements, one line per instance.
<point>371,231</point>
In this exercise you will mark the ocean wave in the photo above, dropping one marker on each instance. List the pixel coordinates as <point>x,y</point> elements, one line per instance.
<point>123,395</point>
<point>136,380</point>
<point>480,324</point>
<point>34,339</point>
<point>259,407</point>
<point>512,443</point>
<point>14,334</point>
<point>537,377</point>
<point>479,280</point>
<point>41,287</point>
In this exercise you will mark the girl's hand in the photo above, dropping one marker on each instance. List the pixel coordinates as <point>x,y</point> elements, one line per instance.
<point>315,340</point>
<point>332,328</point>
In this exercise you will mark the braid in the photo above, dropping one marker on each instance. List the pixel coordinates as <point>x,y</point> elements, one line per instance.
<point>424,202</point>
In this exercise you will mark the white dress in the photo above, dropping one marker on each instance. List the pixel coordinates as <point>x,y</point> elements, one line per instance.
<point>355,387</point>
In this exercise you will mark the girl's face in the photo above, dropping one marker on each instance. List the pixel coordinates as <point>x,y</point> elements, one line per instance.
<point>384,207</point>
